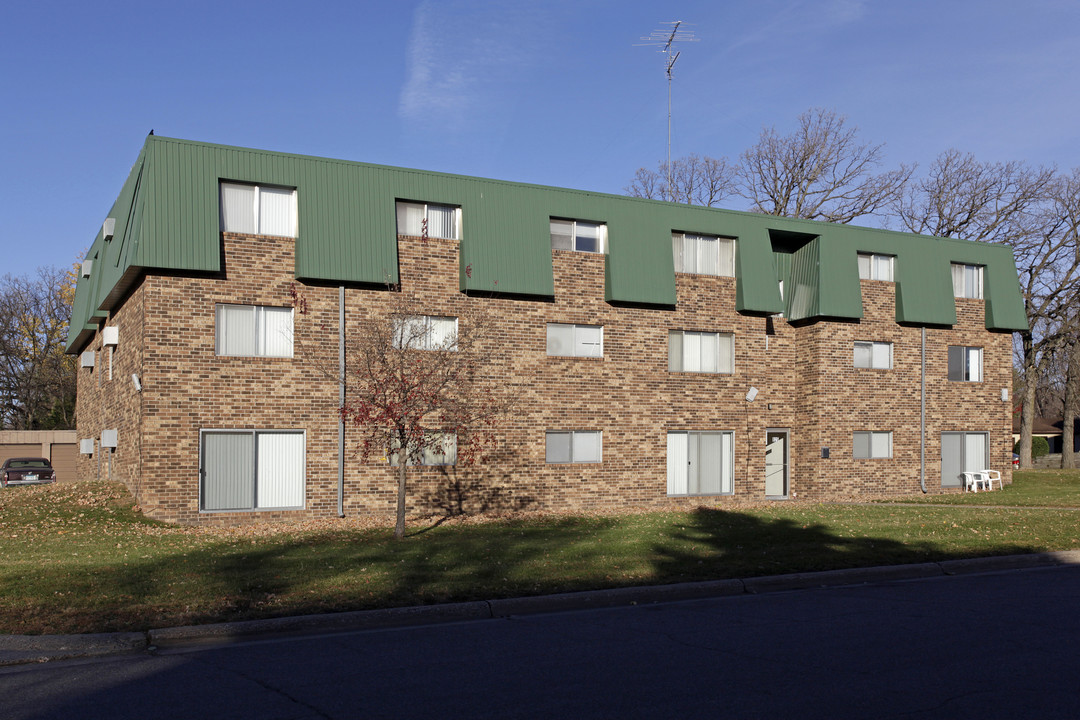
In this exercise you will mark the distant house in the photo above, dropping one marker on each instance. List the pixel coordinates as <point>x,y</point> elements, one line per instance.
<point>1052,430</point>
<point>666,353</point>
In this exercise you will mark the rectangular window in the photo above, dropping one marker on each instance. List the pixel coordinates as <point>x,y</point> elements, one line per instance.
<point>965,363</point>
<point>575,446</point>
<point>960,453</point>
<point>575,340</point>
<point>877,355</point>
<point>426,332</point>
<point>967,281</point>
<point>705,352</point>
<point>439,449</point>
<point>876,267</point>
<point>578,235</point>
<point>251,469</point>
<point>703,254</point>
<point>699,463</point>
<point>442,221</point>
<point>258,210</point>
<point>253,331</point>
<point>872,445</point>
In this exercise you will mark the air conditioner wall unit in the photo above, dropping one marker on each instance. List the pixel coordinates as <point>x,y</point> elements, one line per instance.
<point>108,438</point>
<point>108,228</point>
<point>110,335</point>
<point>86,360</point>
<point>86,446</point>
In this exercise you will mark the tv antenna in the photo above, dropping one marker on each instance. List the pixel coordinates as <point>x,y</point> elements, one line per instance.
<point>665,39</point>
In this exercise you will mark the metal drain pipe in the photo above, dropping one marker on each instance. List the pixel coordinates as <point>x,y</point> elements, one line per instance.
<point>341,402</point>
<point>922,414</point>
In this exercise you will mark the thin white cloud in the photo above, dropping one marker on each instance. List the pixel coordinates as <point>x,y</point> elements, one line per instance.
<point>457,52</point>
<point>801,19</point>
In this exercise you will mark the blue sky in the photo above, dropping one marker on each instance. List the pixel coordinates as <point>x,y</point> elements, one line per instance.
<point>550,92</point>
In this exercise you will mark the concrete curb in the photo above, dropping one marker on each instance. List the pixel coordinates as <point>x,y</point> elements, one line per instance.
<point>847,576</point>
<point>614,597</point>
<point>330,622</point>
<point>23,649</point>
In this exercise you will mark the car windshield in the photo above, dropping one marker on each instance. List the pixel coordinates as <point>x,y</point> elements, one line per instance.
<point>28,464</point>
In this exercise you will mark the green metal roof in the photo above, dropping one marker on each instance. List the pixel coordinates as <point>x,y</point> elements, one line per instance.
<point>167,218</point>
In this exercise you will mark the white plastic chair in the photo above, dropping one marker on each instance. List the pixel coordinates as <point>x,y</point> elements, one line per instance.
<point>990,477</point>
<point>972,480</point>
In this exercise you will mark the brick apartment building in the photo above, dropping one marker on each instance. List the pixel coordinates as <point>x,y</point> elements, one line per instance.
<point>663,351</point>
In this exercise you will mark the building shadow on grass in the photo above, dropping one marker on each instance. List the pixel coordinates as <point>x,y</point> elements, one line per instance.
<point>720,544</point>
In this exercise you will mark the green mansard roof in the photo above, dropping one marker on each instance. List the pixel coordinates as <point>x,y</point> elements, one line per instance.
<point>167,219</point>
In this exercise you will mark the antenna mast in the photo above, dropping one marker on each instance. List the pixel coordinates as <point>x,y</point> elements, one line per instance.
<point>665,39</point>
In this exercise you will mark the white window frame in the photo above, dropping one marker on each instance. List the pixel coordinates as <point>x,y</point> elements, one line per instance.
<point>965,363</point>
<point>572,227</point>
<point>967,281</point>
<point>880,355</point>
<point>423,332</point>
<point>879,445</point>
<point>685,458</point>
<point>426,208</point>
<point>585,340</point>
<point>876,266</point>
<point>260,341</point>
<point>584,439</point>
<point>262,474</point>
<point>430,457</point>
<point>683,345</point>
<point>693,255</point>
<point>256,215</point>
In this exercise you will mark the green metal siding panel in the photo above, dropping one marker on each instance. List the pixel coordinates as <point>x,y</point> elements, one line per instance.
<point>1004,303</point>
<point>347,225</point>
<point>179,226</point>
<point>837,279</point>
<point>801,288</point>
<point>506,244</point>
<point>80,314</point>
<point>756,289</point>
<point>923,284</point>
<point>640,265</point>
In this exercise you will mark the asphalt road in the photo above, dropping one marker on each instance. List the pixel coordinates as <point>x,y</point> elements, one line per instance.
<point>997,645</point>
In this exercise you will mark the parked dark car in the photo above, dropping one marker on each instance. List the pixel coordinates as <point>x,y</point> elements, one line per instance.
<point>26,471</point>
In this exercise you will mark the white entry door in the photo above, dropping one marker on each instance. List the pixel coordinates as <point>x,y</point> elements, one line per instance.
<point>776,463</point>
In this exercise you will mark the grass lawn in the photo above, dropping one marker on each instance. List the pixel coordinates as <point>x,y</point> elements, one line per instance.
<point>1030,488</point>
<point>79,558</point>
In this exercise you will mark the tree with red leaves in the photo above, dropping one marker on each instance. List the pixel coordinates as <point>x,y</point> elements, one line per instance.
<point>419,387</point>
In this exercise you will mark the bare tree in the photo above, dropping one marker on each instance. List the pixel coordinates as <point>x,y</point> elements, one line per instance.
<point>37,380</point>
<point>1048,261</point>
<point>821,171</point>
<point>648,184</point>
<point>1072,404</point>
<point>695,180</point>
<point>422,389</point>
<point>963,198</point>
<point>1031,209</point>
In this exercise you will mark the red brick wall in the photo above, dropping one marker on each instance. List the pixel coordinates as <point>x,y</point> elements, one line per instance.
<point>805,377</point>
